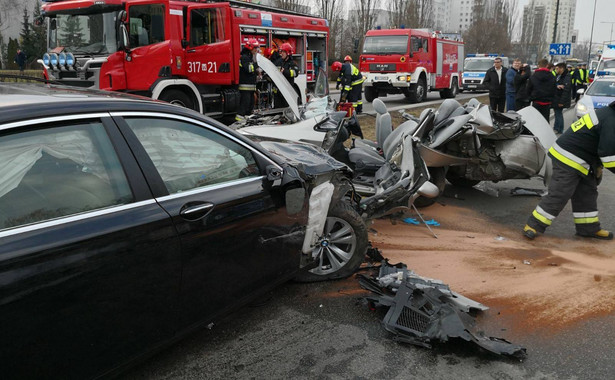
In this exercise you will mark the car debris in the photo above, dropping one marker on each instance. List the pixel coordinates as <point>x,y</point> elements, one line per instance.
<point>526,191</point>
<point>423,310</point>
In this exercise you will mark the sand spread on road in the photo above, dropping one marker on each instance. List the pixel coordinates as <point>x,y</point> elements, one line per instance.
<point>562,280</point>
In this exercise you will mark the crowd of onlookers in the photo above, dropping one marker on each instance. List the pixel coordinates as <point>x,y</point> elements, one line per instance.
<point>547,87</point>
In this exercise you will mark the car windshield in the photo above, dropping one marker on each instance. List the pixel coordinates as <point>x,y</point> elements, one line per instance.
<point>602,88</point>
<point>477,64</point>
<point>385,45</point>
<point>607,65</point>
<point>84,34</point>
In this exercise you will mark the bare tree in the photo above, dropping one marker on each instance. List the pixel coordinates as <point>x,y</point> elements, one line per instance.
<point>363,19</point>
<point>490,31</point>
<point>400,12</point>
<point>332,10</point>
<point>292,5</point>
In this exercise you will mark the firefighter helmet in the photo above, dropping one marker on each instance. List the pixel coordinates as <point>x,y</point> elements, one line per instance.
<point>336,66</point>
<point>252,44</point>
<point>286,47</point>
<point>347,58</point>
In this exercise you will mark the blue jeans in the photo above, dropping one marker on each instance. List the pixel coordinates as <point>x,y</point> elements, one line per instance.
<point>558,126</point>
<point>510,101</point>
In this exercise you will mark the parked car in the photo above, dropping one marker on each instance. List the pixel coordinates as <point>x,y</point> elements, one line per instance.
<point>126,223</point>
<point>600,93</point>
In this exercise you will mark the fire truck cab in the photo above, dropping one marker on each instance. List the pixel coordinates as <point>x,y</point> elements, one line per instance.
<point>411,62</point>
<point>183,52</point>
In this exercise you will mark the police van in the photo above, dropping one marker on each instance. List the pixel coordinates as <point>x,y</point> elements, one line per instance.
<point>474,68</point>
<point>606,66</point>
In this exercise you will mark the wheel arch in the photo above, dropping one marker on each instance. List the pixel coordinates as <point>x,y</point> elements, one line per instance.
<point>179,84</point>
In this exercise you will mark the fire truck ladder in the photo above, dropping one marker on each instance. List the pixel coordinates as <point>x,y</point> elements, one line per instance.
<point>260,7</point>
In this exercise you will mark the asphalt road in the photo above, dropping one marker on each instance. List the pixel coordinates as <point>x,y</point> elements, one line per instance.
<point>325,331</point>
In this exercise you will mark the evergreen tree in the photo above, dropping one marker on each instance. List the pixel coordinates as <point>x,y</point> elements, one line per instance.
<point>26,38</point>
<point>2,52</point>
<point>72,35</point>
<point>39,33</point>
<point>11,51</point>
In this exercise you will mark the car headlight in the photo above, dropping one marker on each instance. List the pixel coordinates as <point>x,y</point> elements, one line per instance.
<point>582,108</point>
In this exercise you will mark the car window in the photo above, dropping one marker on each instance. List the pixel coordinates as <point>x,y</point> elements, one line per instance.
<point>58,170</point>
<point>602,88</point>
<point>188,156</point>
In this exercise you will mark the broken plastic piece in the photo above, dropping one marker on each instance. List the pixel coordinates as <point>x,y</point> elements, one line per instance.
<point>411,221</point>
<point>500,238</point>
<point>424,310</point>
<point>525,191</point>
<point>432,222</point>
<point>527,262</point>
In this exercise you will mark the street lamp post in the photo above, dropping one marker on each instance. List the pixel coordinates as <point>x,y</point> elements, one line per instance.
<point>591,37</point>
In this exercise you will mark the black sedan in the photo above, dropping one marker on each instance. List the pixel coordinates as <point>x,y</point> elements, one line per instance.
<point>127,223</point>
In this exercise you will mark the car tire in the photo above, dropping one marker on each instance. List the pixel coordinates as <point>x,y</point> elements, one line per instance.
<point>177,97</point>
<point>460,181</point>
<point>370,93</point>
<point>349,234</point>
<point>438,178</point>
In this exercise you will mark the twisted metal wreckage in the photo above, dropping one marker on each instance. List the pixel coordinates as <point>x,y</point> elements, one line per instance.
<point>423,310</point>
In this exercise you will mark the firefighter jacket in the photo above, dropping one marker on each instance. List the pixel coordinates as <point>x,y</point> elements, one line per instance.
<point>247,71</point>
<point>289,69</point>
<point>350,76</point>
<point>589,143</point>
<point>563,95</point>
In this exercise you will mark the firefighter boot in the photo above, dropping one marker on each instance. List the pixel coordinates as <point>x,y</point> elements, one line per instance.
<point>602,234</point>
<point>529,232</point>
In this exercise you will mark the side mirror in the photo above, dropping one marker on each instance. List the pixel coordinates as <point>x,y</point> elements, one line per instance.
<point>428,190</point>
<point>581,91</point>
<point>124,41</point>
<point>39,21</point>
<point>53,24</point>
<point>184,43</point>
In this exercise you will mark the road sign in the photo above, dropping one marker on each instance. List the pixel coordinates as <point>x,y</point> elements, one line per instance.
<point>559,49</point>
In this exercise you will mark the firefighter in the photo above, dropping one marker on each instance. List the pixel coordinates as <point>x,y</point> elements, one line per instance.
<point>578,157</point>
<point>247,78</point>
<point>288,67</point>
<point>351,80</point>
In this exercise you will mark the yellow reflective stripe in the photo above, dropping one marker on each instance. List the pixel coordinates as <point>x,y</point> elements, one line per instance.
<point>586,220</point>
<point>568,161</point>
<point>608,161</point>
<point>585,121</point>
<point>354,71</point>
<point>541,218</point>
<point>610,164</point>
<point>251,68</point>
<point>292,73</point>
<point>247,87</point>
<point>358,82</point>
<point>347,88</point>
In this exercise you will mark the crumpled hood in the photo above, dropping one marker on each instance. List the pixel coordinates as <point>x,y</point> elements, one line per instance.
<point>289,93</point>
<point>307,158</point>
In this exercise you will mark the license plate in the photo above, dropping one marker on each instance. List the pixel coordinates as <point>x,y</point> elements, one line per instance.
<point>471,86</point>
<point>381,78</point>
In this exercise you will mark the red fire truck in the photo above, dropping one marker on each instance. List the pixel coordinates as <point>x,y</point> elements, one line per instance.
<point>411,62</point>
<point>183,52</point>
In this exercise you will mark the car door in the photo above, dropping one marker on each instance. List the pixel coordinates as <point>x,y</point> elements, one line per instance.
<point>209,53</point>
<point>89,262</point>
<point>237,235</point>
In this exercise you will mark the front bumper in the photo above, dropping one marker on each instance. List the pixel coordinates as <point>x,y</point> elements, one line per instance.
<point>399,80</point>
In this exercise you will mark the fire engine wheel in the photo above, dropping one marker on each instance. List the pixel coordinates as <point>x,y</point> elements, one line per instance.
<point>177,97</point>
<point>450,92</point>
<point>418,91</point>
<point>370,94</point>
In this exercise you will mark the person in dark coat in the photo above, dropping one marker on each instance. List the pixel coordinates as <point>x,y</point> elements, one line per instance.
<point>522,98</point>
<point>541,88</point>
<point>495,81</point>
<point>510,85</point>
<point>561,99</point>
<point>20,60</point>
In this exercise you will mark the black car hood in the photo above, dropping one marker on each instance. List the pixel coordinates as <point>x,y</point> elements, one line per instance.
<point>309,159</point>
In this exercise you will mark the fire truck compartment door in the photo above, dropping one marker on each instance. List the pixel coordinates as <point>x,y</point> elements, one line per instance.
<point>289,93</point>
<point>208,32</point>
